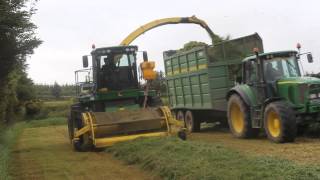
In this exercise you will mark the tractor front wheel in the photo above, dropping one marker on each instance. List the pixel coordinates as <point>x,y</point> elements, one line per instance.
<point>279,122</point>
<point>239,118</point>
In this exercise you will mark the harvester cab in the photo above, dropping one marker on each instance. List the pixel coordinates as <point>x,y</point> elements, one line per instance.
<point>113,106</point>
<point>273,95</point>
<point>113,68</point>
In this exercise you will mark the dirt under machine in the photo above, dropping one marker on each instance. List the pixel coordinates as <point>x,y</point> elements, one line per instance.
<point>113,107</point>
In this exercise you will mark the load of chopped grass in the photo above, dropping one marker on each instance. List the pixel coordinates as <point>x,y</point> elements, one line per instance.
<point>171,158</point>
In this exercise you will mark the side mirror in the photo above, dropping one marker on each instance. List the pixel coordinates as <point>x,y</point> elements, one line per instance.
<point>310,58</point>
<point>145,56</point>
<point>85,62</point>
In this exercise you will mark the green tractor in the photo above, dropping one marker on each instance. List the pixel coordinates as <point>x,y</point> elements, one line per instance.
<point>273,95</point>
<point>113,106</point>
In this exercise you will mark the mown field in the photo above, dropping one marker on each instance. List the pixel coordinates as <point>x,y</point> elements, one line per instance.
<point>40,149</point>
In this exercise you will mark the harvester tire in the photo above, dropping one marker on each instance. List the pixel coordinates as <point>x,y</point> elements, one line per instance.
<point>155,101</point>
<point>279,122</point>
<point>239,118</point>
<point>192,124</point>
<point>83,143</point>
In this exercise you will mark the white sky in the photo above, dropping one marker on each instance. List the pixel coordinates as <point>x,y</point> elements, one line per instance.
<point>69,28</point>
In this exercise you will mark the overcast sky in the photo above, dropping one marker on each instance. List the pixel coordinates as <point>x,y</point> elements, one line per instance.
<point>69,28</point>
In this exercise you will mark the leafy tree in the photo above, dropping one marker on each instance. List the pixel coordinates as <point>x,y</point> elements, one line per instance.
<point>56,90</point>
<point>44,91</point>
<point>17,40</point>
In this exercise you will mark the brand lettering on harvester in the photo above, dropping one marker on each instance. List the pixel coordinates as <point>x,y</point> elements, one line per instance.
<point>191,69</point>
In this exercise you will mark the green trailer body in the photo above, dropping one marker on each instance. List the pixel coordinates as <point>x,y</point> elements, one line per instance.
<point>199,79</point>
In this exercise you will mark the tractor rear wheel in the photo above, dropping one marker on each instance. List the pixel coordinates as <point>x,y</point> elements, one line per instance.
<point>192,124</point>
<point>239,118</point>
<point>279,122</point>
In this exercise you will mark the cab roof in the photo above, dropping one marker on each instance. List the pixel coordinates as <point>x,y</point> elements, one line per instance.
<point>114,49</point>
<point>275,53</point>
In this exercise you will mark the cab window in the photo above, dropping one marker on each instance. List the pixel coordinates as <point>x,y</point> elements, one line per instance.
<point>251,72</point>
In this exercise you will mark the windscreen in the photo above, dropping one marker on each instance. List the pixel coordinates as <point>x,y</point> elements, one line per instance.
<point>117,71</point>
<point>281,67</point>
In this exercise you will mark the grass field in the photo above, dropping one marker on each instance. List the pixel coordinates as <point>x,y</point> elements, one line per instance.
<point>8,138</point>
<point>172,158</point>
<point>10,135</point>
<point>40,149</point>
<point>43,151</point>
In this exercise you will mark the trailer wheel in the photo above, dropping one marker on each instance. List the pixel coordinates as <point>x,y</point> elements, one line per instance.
<point>279,122</point>
<point>192,124</point>
<point>180,116</point>
<point>239,118</point>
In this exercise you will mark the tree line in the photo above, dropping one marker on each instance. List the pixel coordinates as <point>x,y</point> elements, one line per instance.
<point>55,91</point>
<point>17,42</point>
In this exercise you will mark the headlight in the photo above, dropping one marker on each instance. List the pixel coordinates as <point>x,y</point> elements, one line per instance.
<point>132,49</point>
<point>313,96</point>
<point>127,49</point>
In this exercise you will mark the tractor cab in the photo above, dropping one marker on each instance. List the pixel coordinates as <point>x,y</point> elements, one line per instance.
<point>277,75</point>
<point>267,69</point>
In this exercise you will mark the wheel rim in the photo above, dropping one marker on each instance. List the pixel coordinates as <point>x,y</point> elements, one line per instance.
<point>273,123</point>
<point>188,123</point>
<point>180,116</point>
<point>237,118</point>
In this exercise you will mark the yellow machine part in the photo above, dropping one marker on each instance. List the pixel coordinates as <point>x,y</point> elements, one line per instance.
<point>107,128</point>
<point>147,70</point>
<point>160,22</point>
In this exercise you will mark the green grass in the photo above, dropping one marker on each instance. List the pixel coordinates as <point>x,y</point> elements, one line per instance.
<point>171,158</point>
<point>8,137</point>
<point>53,121</point>
<point>57,108</point>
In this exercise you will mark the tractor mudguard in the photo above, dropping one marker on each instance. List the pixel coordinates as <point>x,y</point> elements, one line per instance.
<point>241,93</point>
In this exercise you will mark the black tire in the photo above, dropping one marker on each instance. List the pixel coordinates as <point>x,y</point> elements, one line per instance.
<point>180,116</point>
<point>84,143</point>
<point>74,122</point>
<point>280,122</point>
<point>155,101</point>
<point>239,119</point>
<point>192,124</point>
<point>302,129</point>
